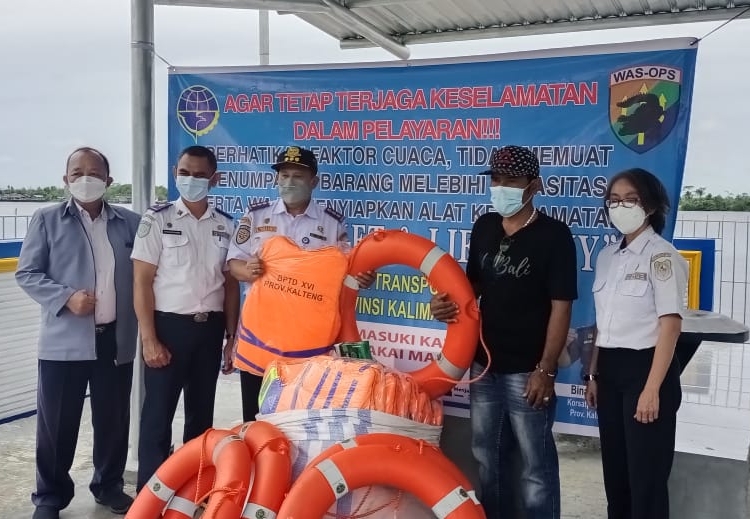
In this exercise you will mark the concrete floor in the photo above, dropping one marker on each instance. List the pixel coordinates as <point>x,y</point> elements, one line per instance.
<point>580,466</point>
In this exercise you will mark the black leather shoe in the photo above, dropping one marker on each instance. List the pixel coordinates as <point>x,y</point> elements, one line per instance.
<point>118,502</point>
<point>46,512</point>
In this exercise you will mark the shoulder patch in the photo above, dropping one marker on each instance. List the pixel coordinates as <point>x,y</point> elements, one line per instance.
<point>258,205</point>
<point>160,207</point>
<point>224,213</point>
<point>660,255</point>
<point>333,212</point>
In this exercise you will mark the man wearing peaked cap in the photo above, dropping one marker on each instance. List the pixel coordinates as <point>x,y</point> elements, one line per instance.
<point>296,215</point>
<point>295,156</point>
<point>522,265</point>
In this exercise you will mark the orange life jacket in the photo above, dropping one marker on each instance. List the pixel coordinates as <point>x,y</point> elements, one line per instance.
<point>292,310</point>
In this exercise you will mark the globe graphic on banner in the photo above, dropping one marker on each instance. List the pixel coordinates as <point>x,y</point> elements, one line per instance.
<point>197,111</point>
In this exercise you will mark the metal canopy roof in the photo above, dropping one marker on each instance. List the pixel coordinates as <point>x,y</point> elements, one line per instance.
<point>393,24</point>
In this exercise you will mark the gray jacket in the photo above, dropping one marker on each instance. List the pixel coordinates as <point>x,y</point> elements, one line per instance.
<point>56,260</point>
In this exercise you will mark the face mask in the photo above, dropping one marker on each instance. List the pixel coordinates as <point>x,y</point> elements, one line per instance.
<point>295,194</point>
<point>627,219</point>
<point>192,189</point>
<point>87,189</point>
<point>507,200</point>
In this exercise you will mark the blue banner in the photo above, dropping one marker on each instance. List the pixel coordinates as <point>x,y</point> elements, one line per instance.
<point>400,145</point>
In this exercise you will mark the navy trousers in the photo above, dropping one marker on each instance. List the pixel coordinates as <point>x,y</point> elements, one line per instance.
<point>250,385</point>
<point>60,396</point>
<point>194,369</point>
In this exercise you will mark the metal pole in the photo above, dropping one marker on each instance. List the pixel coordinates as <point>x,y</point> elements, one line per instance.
<point>263,37</point>
<point>142,104</point>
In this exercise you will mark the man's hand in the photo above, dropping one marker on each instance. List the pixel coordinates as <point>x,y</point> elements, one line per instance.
<point>228,354</point>
<point>539,389</point>
<point>248,271</point>
<point>81,303</point>
<point>365,279</point>
<point>443,309</point>
<point>155,354</point>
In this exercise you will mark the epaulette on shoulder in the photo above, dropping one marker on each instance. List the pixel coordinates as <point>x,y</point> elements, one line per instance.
<point>160,207</point>
<point>258,205</point>
<point>333,212</point>
<point>224,213</point>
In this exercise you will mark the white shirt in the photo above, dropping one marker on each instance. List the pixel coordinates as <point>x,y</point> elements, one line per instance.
<point>315,228</point>
<point>190,256</point>
<point>635,286</point>
<point>105,310</point>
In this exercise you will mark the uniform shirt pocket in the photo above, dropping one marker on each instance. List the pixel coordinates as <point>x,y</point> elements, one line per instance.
<point>220,247</point>
<point>599,283</point>
<point>633,287</point>
<point>176,251</point>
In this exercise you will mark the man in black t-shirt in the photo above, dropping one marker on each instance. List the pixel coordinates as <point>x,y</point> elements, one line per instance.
<point>522,265</point>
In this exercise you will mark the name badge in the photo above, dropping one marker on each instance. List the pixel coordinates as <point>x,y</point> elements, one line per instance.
<point>638,276</point>
<point>318,236</point>
<point>171,231</point>
<point>220,234</point>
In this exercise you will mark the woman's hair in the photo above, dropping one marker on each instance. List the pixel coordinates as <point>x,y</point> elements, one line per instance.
<point>651,192</point>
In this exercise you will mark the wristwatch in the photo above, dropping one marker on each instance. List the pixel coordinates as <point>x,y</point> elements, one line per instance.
<point>229,336</point>
<point>590,376</point>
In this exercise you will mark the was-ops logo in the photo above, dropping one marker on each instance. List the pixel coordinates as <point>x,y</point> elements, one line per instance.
<point>643,104</point>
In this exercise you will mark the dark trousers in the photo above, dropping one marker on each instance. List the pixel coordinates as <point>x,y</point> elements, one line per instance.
<point>194,369</point>
<point>60,395</point>
<point>250,387</point>
<point>636,457</point>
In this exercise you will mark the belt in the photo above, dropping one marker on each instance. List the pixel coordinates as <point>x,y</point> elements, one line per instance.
<point>101,328</point>
<point>200,317</point>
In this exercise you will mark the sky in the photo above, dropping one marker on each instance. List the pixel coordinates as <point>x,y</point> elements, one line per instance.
<point>65,80</point>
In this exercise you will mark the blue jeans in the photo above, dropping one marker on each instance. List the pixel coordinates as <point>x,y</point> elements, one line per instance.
<point>501,422</point>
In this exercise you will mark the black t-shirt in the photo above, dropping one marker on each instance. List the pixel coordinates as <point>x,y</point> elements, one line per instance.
<point>518,276</point>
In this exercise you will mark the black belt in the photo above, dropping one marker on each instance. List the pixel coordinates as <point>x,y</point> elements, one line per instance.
<point>101,328</point>
<point>200,317</point>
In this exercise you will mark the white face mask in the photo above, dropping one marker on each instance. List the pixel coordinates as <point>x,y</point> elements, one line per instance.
<point>87,189</point>
<point>295,193</point>
<point>507,200</point>
<point>627,219</point>
<point>192,189</point>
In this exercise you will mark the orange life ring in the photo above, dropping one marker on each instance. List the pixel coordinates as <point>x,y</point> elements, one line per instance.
<point>228,454</point>
<point>271,454</point>
<point>409,469</point>
<point>396,441</point>
<point>185,502</point>
<point>444,275</point>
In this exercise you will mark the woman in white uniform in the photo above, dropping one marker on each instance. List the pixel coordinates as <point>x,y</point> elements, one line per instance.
<point>634,378</point>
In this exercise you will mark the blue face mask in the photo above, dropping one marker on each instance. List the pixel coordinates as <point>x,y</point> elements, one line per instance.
<point>507,200</point>
<point>192,189</point>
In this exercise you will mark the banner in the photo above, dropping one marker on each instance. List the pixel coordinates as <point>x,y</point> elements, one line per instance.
<point>400,145</point>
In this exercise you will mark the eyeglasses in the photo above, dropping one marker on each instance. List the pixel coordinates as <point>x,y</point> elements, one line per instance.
<point>628,203</point>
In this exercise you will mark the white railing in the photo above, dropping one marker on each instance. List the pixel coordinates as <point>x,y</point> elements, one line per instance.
<point>719,374</point>
<point>13,226</point>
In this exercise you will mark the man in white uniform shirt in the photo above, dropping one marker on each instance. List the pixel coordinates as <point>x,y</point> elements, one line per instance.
<point>295,215</point>
<point>75,262</point>
<point>187,305</point>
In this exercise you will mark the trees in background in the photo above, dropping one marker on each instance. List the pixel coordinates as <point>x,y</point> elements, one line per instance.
<point>116,193</point>
<point>697,199</point>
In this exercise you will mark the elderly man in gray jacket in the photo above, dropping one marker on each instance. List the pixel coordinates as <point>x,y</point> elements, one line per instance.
<point>75,262</point>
